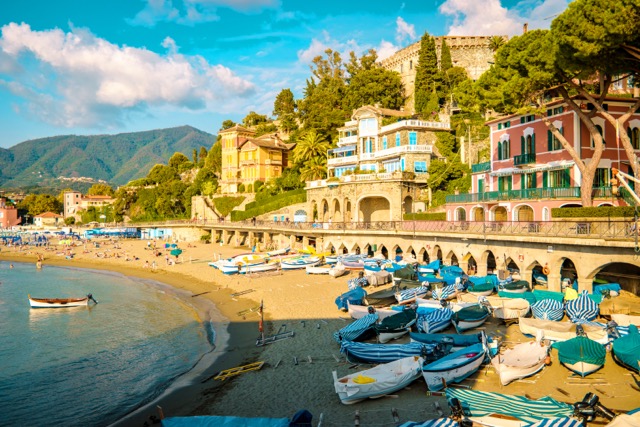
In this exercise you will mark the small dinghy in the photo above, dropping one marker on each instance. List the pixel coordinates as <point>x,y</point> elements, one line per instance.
<point>318,270</point>
<point>279,252</point>
<point>361,329</point>
<point>298,263</point>
<point>560,331</point>
<point>470,317</point>
<point>337,270</point>
<point>510,308</point>
<point>359,311</point>
<point>446,293</point>
<point>409,295</point>
<point>481,289</point>
<point>548,309</point>
<point>258,268</point>
<point>395,326</point>
<point>361,352</point>
<point>521,361</point>
<point>518,286</point>
<point>581,355</point>
<point>457,341</point>
<point>355,296</point>
<point>454,367</point>
<point>626,350</point>
<point>378,381</point>
<point>431,320</point>
<point>60,302</point>
<point>382,298</point>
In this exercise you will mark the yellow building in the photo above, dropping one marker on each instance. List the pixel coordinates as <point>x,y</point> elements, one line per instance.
<point>246,159</point>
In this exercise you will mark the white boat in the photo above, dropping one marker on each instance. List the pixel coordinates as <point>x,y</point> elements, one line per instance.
<point>233,265</point>
<point>625,319</point>
<point>60,302</point>
<point>258,268</point>
<point>318,270</point>
<point>560,331</point>
<point>338,270</point>
<point>359,311</point>
<point>511,308</point>
<point>434,303</point>
<point>521,361</point>
<point>298,263</point>
<point>454,367</point>
<point>378,381</point>
<point>277,252</point>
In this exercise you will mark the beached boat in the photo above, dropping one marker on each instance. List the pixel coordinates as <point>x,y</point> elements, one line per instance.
<point>378,381</point>
<point>352,263</point>
<point>470,317</point>
<point>318,270</point>
<point>454,367</point>
<point>357,311</point>
<point>337,270</point>
<point>407,296</point>
<point>457,341</point>
<point>521,361</point>
<point>560,331</point>
<point>60,302</point>
<point>433,319</point>
<point>393,327</point>
<point>518,286</point>
<point>481,289</point>
<point>625,319</point>
<point>626,350</point>
<point>511,308</point>
<point>354,296</point>
<point>279,252</point>
<point>445,293</point>
<point>299,263</point>
<point>361,329</point>
<point>258,268</point>
<point>582,308</point>
<point>361,352</point>
<point>233,265</point>
<point>455,306</point>
<point>383,297</point>
<point>581,355</point>
<point>540,278</point>
<point>548,309</point>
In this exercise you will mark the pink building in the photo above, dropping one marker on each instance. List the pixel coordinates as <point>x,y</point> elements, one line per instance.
<point>530,173</point>
<point>8,215</point>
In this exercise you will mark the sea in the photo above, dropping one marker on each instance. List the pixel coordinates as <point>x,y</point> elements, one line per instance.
<point>90,366</point>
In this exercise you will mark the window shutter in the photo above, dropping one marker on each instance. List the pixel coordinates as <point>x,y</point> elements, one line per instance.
<point>549,140</point>
<point>522,141</point>
<point>533,144</point>
<point>522,119</point>
<point>534,184</point>
<point>545,179</point>
<point>567,178</point>
<point>510,180</point>
<point>499,150</point>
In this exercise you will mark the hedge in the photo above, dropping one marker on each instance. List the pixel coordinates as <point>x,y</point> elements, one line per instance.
<point>272,205</point>
<point>594,212</point>
<point>225,204</point>
<point>262,199</point>
<point>426,216</point>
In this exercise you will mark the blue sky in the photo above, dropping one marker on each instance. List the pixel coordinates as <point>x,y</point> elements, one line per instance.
<point>95,67</point>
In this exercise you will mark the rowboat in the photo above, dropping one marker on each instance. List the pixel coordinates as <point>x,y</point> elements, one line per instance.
<point>361,329</point>
<point>457,341</point>
<point>337,270</point>
<point>481,289</point>
<point>455,306</point>
<point>354,296</point>
<point>298,263</point>
<point>359,311</point>
<point>258,268</point>
<point>233,265</point>
<point>582,308</point>
<point>409,295</point>
<point>318,270</point>
<point>378,381</point>
<point>560,331</point>
<point>581,355</point>
<point>626,350</point>
<point>277,252</point>
<point>518,286</point>
<point>625,319</point>
<point>383,297</point>
<point>511,308</point>
<point>470,317</point>
<point>60,302</point>
<point>521,361</point>
<point>395,326</point>
<point>362,352</point>
<point>548,309</point>
<point>454,367</point>
<point>431,320</point>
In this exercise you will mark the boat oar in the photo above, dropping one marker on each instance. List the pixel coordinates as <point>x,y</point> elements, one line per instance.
<point>90,296</point>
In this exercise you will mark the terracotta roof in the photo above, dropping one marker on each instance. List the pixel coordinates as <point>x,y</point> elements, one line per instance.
<point>268,141</point>
<point>48,215</point>
<point>236,128</point>
<point>97,196</point>
<point>381,111</point>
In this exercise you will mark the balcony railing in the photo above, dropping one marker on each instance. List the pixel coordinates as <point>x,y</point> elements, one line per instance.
<point>524,159</point>
<point>346,140</point>
<point>394,151</point>
<point>415,124</point>
<point>481,167</point>
<point>276,162</point>
<point>524,194</point>
<point>342,160</point>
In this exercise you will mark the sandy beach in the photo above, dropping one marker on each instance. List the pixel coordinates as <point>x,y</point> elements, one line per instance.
<point>297,371</point>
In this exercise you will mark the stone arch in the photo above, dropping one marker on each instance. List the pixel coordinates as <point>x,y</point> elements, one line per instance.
<point>523,213</point>
<point>407,205</point>
<point>337,213</point>
<point>324,211</point>
<point>499,214</point>
<point>618,272</point>
<point>397,250</point>
<point>355,249</point>
<point>437,252</point>
<point>460,214</point>
<point>477,213</point>
<point>472,265</point>
<point>450,258</point>
<point>368,250</point>
<point>412,252</point>
<point>348,215</point>
<point>529,269</point>
<point>374,208</point>
<point>424,255</point>
<point>332,249</point>
<point>511,265</point>
<point>343,249</point>
<point>384,251</point>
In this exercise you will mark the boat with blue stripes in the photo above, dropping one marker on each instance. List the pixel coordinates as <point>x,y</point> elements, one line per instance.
<point>458,341</point>
<point>363,352</point>
<point>582,308</point>
<point>361,329</point>
<point>431,320</point>
<point>548,309</point>
<point>454,367</point>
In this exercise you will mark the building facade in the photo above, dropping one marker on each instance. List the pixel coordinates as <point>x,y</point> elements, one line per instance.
<point>379,169</point>
<point>48,219</point>
<point>75,202</point>
<point>247,159</point>
<point>530,173</point>
<point>471,53</point>
<point>8,215</point>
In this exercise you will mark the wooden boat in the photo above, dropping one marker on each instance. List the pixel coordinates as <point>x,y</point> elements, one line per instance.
<point>626,350</point>
<point>521,361</point>
<point>363,352</point>
<point>359,330</point>
<point>582,308</point>
<point>625,319</point>
<point>409,295</point>
<point>455,306</point>
<point>481,289</point>
<point>318,270</point>
<point>457,341</point>
<point>354,296</point>
<point>433,319</point>
<point>359,311</point>
<point>511,308</point>
<point>258,268</point>
<point>233,265</point>
<point>395,326</point>
<point>353,265</point>
<point>384,297</point>
<point>518,286</point>
<point>581,355</point>
<point>378,381</point>
<point>298,263</point>
<point>470,317</point>
<point>560,331</point>
<point>454,367</point>
<point>338,270</point>
<point>278,252</point>
<point>60,302</point>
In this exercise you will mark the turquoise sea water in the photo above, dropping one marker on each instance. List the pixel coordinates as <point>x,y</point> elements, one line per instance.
<point>89,366</point>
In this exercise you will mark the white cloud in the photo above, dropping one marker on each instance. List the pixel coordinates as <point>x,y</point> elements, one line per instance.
<point>82,80</point>
<point>155,11</point>
<point>404,31</point>
<point>386,49</point>
<point>316,48</point>
<point>247,6</point>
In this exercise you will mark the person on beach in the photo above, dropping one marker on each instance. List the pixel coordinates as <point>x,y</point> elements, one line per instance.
<point>146,264</point>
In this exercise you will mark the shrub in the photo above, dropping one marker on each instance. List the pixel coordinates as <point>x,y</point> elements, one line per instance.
<point>594,212</point>
<point>224,205</point>
<point>250,188</point>
<point>206,238</point>
<point>333,179</point>
<point>426,216</point>
<point>275,203</point>
<point>241,188</point>
<point>257,185</point>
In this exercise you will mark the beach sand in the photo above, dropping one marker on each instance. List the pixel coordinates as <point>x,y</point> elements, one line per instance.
<point>297,373</point>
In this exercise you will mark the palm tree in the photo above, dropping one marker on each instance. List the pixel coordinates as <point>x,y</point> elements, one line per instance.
<point>314,169</point>
<point>496,42</point>
<point>311,145</point>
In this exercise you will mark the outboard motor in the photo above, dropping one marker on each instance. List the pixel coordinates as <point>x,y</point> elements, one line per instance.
<point>612,330</point>
<point>580,331</point>
<point>457,413</point>
<point>590,407</point>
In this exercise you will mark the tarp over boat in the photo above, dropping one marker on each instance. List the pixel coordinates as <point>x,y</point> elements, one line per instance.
<point>580,349</point>
<point>582,308</point>
<point>627,349</point>
<point>357,330</point>
<point>480,403</point>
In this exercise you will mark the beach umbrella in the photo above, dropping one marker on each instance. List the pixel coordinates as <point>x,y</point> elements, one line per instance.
<point>173,245</point>
<point>176,252</point>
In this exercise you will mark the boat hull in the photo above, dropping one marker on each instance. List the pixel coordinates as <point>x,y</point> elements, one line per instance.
<point>583,368</point>
<point>453,368</point>
<point>384,337</point>
<point>58,303</point>
<point>522,361</point>
<point>359,311</point>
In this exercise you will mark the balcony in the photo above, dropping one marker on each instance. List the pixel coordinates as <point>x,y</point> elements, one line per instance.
<point>347,140</point>
<point>338,161</point>
<point>481,167</point>
<point>525,194</point>
<point>273,162</point>
<point>394,151</point>
<point>247,162</point>
<point>415,124</point>
<point>524,159</point>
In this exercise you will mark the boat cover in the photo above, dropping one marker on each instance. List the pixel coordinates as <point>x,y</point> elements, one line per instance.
<point>454,270</point>
<point>411,294</point>
<point>434,265</point>
<point>548,309</point>
<point>511,286</point>
<point>480,403</point>
<point>357,329</point>
<point>627,349</point>
<point>402,320</point>
<point>438,422</point>
<point>582,308</point>
<point>529,296</point>
<point>223,421</point>
<point>470,314</point>
<point>355,296</point>
<point>540,295</point>
<point>406,272</point>
<point>491,279</point>
<point>384,353</point>
<point>458,340</point>
<point>540,278</point>
<point>480,286</point>
<point>598,289</point>
<point>558,422</point>
<point>580,349</point>
<point>443,293</point>
<point>429,278</point>
<point>435,319</point>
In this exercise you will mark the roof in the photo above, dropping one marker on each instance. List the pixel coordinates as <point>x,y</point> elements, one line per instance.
<point>48,215</point>
<point>97,196</point>
<point>236,128</point>
<point>386,112</point>
<point>269,141</point>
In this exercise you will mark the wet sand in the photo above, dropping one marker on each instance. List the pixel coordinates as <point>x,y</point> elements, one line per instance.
<point>297,370</point>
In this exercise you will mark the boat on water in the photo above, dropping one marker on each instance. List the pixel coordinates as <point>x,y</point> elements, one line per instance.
<point>454,367</point>
<point>394,326</point>
<point>298,263</point>
<point>548,309</point>
<point>470,317</point>
<point>378,381</point>
<point>626,350</point>
<point>581,355</point>
<point>523,360</point>
<point>60,302</point>
<point>560,331</point>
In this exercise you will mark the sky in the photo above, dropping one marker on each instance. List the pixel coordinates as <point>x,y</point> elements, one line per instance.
<point>111,66</point>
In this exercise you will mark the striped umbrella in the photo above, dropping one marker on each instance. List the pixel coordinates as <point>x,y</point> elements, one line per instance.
<point>582,308</point>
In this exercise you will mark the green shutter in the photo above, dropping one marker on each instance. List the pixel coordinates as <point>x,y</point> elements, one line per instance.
<point>499,126</point>
<point>522,142</point>
<point>509,181</point>
<point>545,179</point>
<point>534,183</point>
<point>549,140</point>
<point>533,144</point>
<point>481,186</point>
<point>522,119</point>
<point>499,150</point>
<point>566,179</point>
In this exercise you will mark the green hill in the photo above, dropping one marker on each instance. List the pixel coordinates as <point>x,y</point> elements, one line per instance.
<point>116,159</point>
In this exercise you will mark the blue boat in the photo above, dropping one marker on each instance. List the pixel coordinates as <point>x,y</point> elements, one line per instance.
<point>582,355</point>
<point>470,317</point>
<point>432,320</point>
<point>360,352</point>
<point>454,367</point>
<point>548,309</point>
<point>361,329</point>
<point>355,297</point>
<point>458,341</point>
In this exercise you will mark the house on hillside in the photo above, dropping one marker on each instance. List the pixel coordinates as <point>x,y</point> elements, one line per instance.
<point>48,219</point>
<point>529,171</point>
<point>247,159</point>
<point>75,202</point>
<point>8,215</point>
<point>379,169</point>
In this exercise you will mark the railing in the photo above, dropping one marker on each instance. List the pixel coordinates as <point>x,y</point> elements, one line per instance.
<point>353,139</point>
<point>415,123</point>
<point>273,162</point>
<point>481,167</point>
<point>524,159</point>
<point>403,149</point>
<point>342,160</point>
<point>523,194</point>
<point>616,230</point>
<point>367,156</point>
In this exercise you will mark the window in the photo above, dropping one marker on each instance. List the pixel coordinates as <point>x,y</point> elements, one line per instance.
<point>504,183</point>
<point>529,144</point>
<point>634,137</point>
<point>392,166</point>
<point>411,65</point>
<point>553,143</point>
<point>413,138</point>
<point>420,167</point>
<point>384,142</point>
<point>397,139</point>
<point>480,185</point>
<point>528,180</point>
<point>504,149</point>
<point>545,214</point>
<point>601,178</point>
<point>599,128</point>
<point>556,179</point>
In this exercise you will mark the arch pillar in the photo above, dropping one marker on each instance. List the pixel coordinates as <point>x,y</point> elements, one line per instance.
<point>305,242</point>
<point>585,284</point>
<point>463,264</point>
<point>553,282</point>
<point>292,241</point>
<point>225,236</point>
<point>482,268</point>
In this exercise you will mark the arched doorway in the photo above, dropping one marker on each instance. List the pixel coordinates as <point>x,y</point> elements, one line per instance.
<point>343,249</point>
<point>472,266</point>
<point>384,252</point>
<point>627,275</point>
<point>461,214</point>
<point>374,209</point>
<point>525,213</point>
<point>568,274</point>
<point>356,249</point>
<point>324,214</point>
<point>348,217</point>
<point>454,260</point>
<point>477,214</point>
<point>500,214</point>
<point>407,205</point>
<point>337,214</point>
<point>424,255</point>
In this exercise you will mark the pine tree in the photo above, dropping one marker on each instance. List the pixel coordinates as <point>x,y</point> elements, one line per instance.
<point>426,74</point>
<point>445,57</point>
